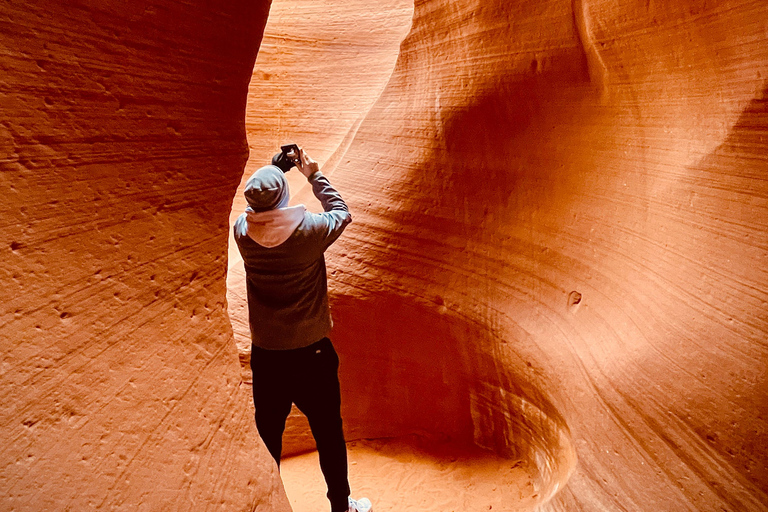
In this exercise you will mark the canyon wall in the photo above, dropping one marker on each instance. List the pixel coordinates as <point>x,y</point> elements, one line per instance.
<point>123,142</point>
<point>559,249</point>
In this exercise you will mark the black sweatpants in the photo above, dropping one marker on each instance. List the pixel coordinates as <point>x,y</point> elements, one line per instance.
<point>309,378</point>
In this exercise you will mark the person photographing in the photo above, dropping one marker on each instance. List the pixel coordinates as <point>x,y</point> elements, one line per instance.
<point>292,358</point>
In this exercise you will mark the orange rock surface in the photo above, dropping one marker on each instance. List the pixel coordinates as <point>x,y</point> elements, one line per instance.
<point>559,249</point>
<point>122,144</point>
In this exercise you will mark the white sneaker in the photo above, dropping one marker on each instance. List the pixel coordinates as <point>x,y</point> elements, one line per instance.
<point>361,505</point>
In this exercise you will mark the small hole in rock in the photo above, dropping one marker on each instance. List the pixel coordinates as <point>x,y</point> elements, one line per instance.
<point>574,299</point>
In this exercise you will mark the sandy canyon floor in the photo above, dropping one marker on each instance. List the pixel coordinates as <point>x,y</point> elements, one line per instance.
<point>405,474</point>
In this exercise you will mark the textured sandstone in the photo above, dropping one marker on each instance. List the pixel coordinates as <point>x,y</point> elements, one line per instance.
<point>560,246</point>
<point>559,249</point>
<point>122,144</point>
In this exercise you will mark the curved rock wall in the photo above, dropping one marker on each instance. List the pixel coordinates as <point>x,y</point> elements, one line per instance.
<point>560,246</point>
<point>559,250</point>
<point>122,142</point>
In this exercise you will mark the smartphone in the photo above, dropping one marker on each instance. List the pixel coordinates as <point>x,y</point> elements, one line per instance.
<point>291,151</point>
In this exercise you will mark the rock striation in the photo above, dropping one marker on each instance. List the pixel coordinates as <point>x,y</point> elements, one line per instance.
<point>560,247</point>
<point>122,142</point>
<point>559,250</point>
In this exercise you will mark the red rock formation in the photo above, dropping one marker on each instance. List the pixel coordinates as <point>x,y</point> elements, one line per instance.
<point>559,247</point>
<point>122,144</point>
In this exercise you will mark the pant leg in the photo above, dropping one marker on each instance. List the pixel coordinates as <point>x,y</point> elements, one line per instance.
<point>319,398</point>
<point>271,399</point>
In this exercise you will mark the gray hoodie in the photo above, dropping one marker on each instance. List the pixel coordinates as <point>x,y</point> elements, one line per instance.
<point>282,250</point>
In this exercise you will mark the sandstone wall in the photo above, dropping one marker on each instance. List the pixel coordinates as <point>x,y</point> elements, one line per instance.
<point>559,249</point>
<point>123,141</point>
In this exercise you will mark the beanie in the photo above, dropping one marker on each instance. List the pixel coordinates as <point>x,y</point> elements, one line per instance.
<point>267,189</point>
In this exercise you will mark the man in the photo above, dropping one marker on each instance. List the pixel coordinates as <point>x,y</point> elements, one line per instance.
<point>292,359</point>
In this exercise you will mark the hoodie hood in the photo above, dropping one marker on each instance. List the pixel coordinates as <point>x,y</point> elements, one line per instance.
<point>273,227</point>
<point>267,189</point>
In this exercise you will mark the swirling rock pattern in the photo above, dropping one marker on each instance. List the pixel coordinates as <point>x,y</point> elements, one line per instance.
<point>122,142</point>
<point>560,246</point>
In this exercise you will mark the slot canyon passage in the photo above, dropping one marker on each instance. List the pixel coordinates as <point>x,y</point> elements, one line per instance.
<point>558,252</point>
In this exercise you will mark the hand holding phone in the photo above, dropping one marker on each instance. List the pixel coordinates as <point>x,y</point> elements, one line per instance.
<point>306,165</point>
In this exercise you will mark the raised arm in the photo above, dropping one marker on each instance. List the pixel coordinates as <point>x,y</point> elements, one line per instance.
<point>331,224</point>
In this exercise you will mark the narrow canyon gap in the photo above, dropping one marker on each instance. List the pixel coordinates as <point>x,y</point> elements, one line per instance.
<point>315,90</point>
